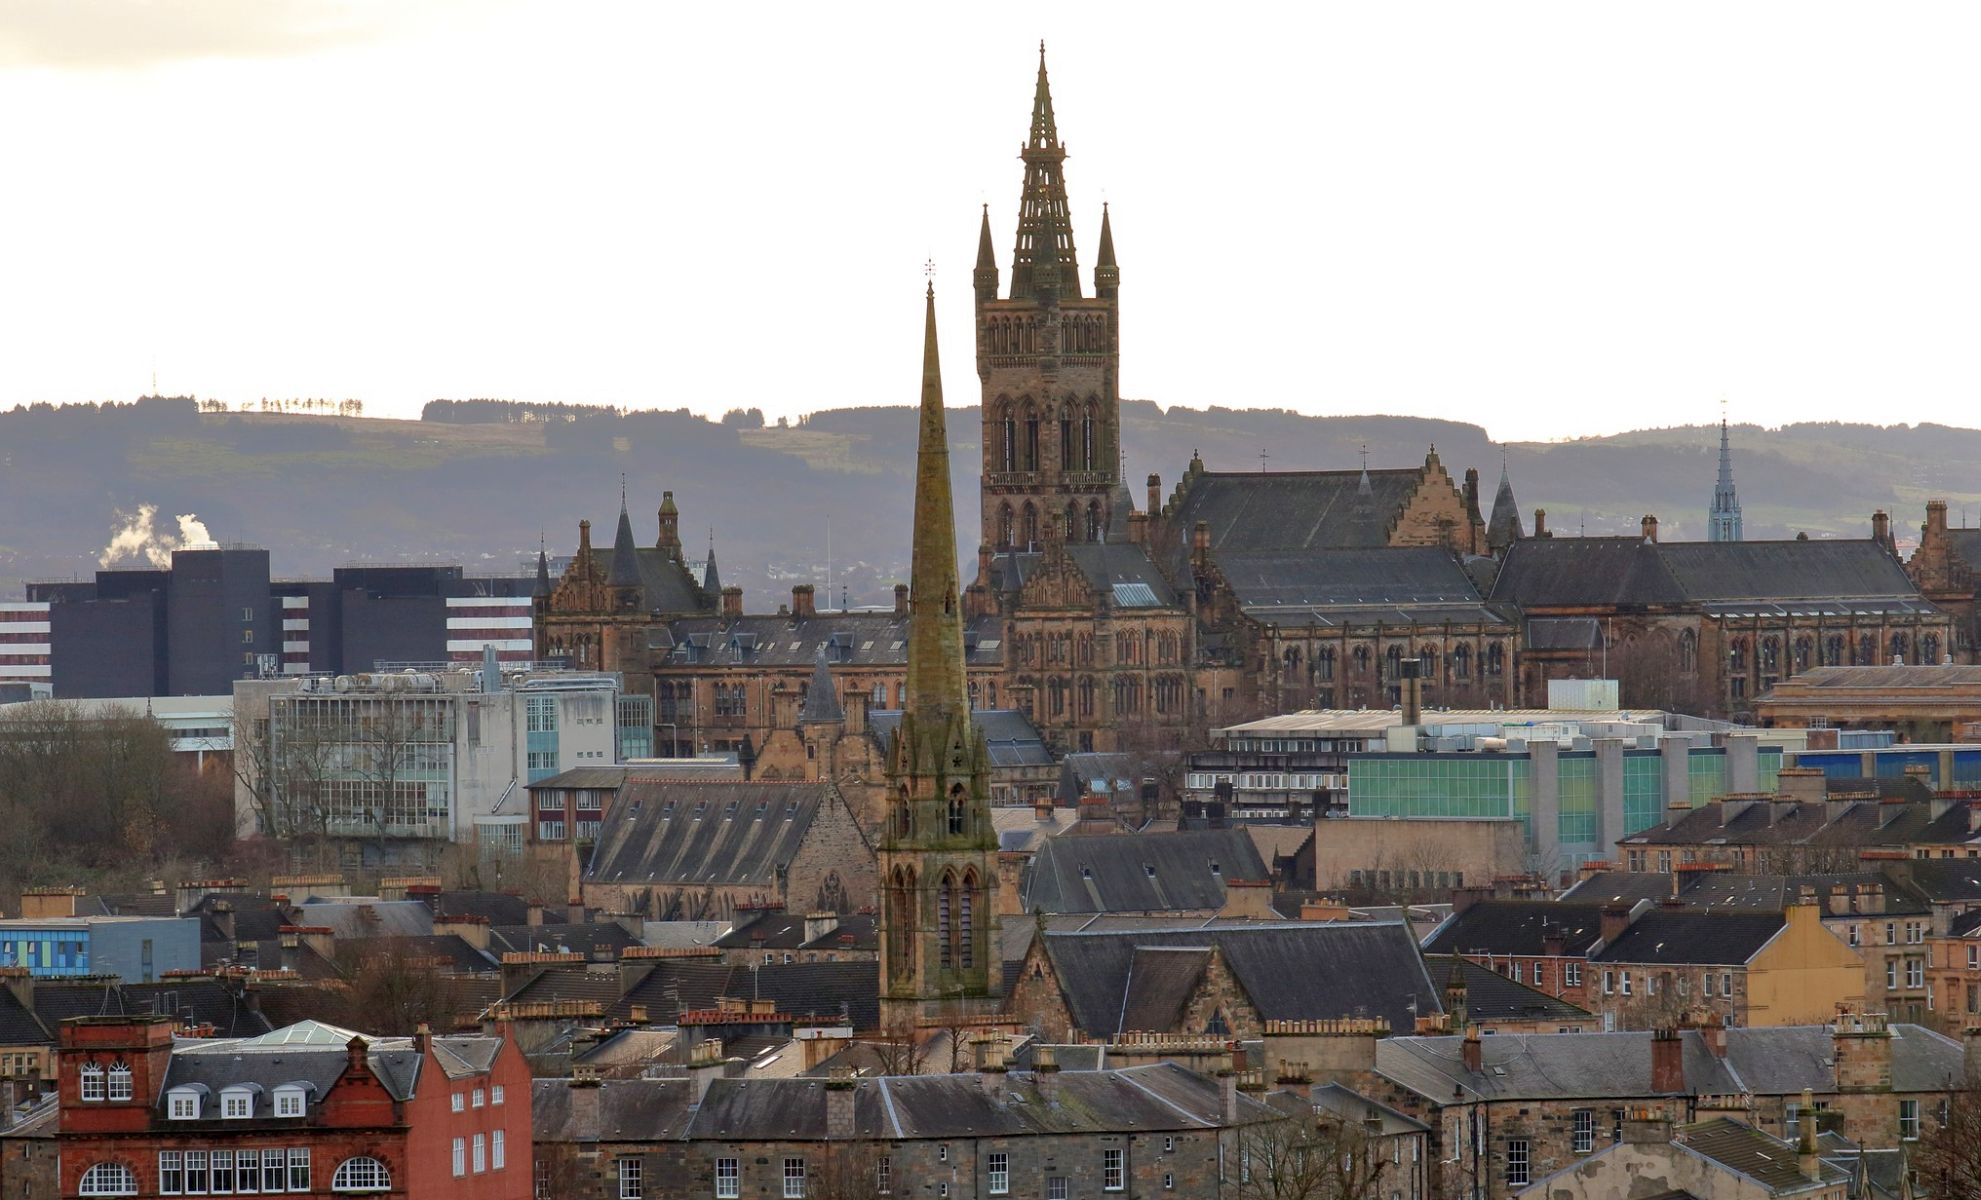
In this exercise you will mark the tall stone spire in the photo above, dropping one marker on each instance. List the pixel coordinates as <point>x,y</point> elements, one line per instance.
<point>937,852</point>
<point>1723,522</point>
<point>985,276</point>
<point>1503,529</point>
<point>1045,260</point>
<point>711,580</point>
<point>625,568</point>
<point>821,705</point>
<point>935,620</point>
<point>543,570</point>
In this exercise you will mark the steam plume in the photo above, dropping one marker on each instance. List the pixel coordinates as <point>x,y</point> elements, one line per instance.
<point>136,537</point>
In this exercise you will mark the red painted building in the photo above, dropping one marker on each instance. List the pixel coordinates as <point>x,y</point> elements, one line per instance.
<point>308,1110</point>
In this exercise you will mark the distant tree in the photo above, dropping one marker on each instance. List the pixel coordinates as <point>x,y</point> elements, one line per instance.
<point>1948,1159</point>
<point>744,418</point>
<point>1304,1157</point>
<point>393,990</point>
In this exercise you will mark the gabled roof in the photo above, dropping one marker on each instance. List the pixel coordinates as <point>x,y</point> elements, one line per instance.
<point>194,1001</point>
<point>1747,1151</point>
<point>1518,927</point>
<point>1010,738</point>
<point>1665,935</point>
<point>1360,586</point>
<point>704,833</point>
<point>1121,573</point>
<point>629,1110</point>
<point>1491,997</point>
<point>1812,823</point>
<point>359,918</point>
<point>1293,510</point>
<point>1373,970</point>
<point>501,908</point>
<point>593,939</point>
<point>1139,872</point>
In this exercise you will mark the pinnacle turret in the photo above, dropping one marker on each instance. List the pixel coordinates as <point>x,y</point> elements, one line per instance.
<point>1504,529</point>
<point>625,568</point>
<point>1107,276</point>
<point>1045,260</point>
<point>1723,521</point>
<point>543,571</point>
<point>821,705</point>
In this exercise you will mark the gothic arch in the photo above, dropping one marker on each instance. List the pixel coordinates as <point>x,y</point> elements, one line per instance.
<point>1094,523</point>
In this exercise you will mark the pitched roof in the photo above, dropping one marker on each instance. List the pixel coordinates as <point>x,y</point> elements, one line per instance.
<point>593,939</point>
<point>1157,1097</point>
<point>1374,970</point>
<point>1827,576</point>
<point>1811,823</point>
<point>1010,738</point>
<point>1160,980</point>
<point>628,1110</point>
<point>358,918</point>
<point>850,638</point>
<point>1518,927</point>
<point>1761,1061</point>
<point>1121,573</point>
<point>1747,1151</point>
<point>1356,586</point>
<point>704,833</point>
<point>1665,935</point>
<point>821,704</point>
<point>1139,872</point>
<point>501,908</point>
<point>1294,510</point>
<point>1491,997</point>
<point>194,1001</point>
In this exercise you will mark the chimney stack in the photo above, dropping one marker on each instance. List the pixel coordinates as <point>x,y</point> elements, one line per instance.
<point>1881,530</point>
<point>1541,523</point>
<point>802,601</point>
<point>900,600</point>
<point>732,602</point>
<point>1615,920</point>
<point>839,1125</point>
<point>1155,495</point>
<point>1667,1062</point>
<point>1806,1157</point>
<point>1650,527</point>
<point>1471,1052</point>
<point>1200,542</point>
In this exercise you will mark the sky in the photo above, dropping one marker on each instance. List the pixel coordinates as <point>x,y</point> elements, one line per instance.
<point>1553,220</point>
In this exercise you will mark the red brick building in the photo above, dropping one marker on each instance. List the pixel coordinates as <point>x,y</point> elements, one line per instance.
<point>308,1110</point>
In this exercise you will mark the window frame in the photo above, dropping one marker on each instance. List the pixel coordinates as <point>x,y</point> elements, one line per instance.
<point>728,1178</point>
<point>1114,1169</point>
<point>629,1174</point>
<point>109,1183</point>
<point>794,1179</point>
<point>997,1172</point>
<point>381,1182</point>
<point>1519,1162</point>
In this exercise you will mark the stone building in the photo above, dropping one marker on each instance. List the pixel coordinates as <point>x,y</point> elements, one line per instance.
<point>1706,627</point>
<point>1508,1110</point>
<point>595,615</point>
<point>1947,567</point>
<point>1154,1130</point>
<point>1715,1159</point>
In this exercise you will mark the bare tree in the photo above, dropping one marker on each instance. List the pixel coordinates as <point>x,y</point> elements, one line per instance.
<point>1948,1159</point>
<point>1308,1157</point>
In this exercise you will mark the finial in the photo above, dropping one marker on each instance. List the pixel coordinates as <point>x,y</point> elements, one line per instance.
<point>622,489</point>
<point>928,268</point>
<point>1042,50</point>
<point>1365,456</point>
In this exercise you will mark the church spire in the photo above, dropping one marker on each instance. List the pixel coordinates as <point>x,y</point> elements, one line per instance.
<point>935,622</point>
<point>625,568</point>
<point>1044,260</point>
<point>711,580</point>
<point>1107,276</point>
<point>821,705</point>
<point>543,569</point>
<point>1723,522</point>
<point>1503,529</point>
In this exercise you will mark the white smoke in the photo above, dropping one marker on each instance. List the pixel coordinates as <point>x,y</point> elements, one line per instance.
<point>136,537</point>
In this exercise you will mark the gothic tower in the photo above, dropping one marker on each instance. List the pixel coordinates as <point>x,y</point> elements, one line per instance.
<point>1723,522</point>
<point>1049,360</point>
<point>938,851</point>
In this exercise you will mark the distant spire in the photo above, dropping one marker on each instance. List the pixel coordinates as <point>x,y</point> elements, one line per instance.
<point>1723,521</point>
<point>1362,488</point>
<point>1045,259</point>
<point>821,701</point>
<point>985,276</point>
<point>543,569</point>
<point>625,569</point>
<point>935,621</point>
<point>1503,529</point>
<point>711,580</point>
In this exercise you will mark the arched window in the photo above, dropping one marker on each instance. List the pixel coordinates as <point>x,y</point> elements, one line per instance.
<point>1495,659</point>
<point>1801,654</point>
<point>108,1179</point>
<point>120,1080</point>
<point>1929,649</point>
<point>901,921</point>
<point>1086,691</point>
<point>1833,651</point>
<point>945,934</point>
<point>1055,697</point>
<point>1770,654</point>
<point>1031,525</point>
<point>1031,440</point>
<point>1395,657</point>
<point>1429,657</point>
<point>1737,654</point>
<point>1324,664</point>
<point>1362,660</point>
<point>89,1079</point>
<point>1094,520</point>
<point>1688,651</point>
<point>1461,662</point>
<point>1071,529</point>
<point>1867,654</point>
<point>1087,439</point>
<point>1010,448</point>
<point>1065,439</point>
<point>1004,527</point>
<point>959,808</point>
<point>1898,646</point>
<point>966,922</point>
<point>361,1174</point>
<point>904,816</point>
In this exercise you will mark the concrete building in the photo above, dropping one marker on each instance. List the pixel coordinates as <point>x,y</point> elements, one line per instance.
<point>398,764</point>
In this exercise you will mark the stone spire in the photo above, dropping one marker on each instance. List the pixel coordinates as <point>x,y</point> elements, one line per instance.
<point>1107,275</point>
<point>935,620</point>
<point>543,571</point>
<point>985,276</point>
<point>1504,528</point>
<point>1723,522</point>
<point>821,705</point>
<point>1044,260</point>
<point>625,568</point>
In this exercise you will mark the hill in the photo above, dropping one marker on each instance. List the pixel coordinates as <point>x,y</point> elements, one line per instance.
<point>477,484</point>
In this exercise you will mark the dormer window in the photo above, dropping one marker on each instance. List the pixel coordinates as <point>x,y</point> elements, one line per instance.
<point>183,1103</point>
<point>90,1081</point>
<point>290,1100</point>
<point>120,1080</point>
<point>237,1101</point>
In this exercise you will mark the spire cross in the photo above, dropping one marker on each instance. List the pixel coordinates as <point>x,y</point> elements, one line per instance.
<point>1263,456</point>
<point>622,489</point>
<point>1365,456</point>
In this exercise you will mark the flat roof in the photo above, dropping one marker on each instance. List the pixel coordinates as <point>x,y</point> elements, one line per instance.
<point>1376,720</point>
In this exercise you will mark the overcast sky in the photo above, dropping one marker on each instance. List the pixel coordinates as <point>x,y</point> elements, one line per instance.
<point>1553,220</point>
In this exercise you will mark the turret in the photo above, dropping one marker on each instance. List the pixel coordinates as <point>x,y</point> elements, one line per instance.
<point>985,276</point>
<point>1107,276</point>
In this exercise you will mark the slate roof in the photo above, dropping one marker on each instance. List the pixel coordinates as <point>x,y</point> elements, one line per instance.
<point>1503,528</point>
<point>1138,872</point>
<point>1350,1105</point>
<point>1160,980</point>
<point>1009,736</point>
<point>1887,678</point>
<point>1942,879</point>
<point>778,930</point>
<point>856,638</point>
<point>1836,576</point>
<point>1154,1098</point>
<point>701,833</point>
<point>629,1110</point>
<point>1491,997</point>
<point>195,1001</point>
<point>1360,586</point>
<point>667,586</point>
<point>1293,510</point>
<point>1019,828</point>
<point>593,939</point>
<point>863,928</point>
<point>1373,969</point>
<point>1791,823</point>
<point>1723,890</point>
<point>1121,573</point>
<point>19,1026</point>
<point>1518,927</point>
<point>1665,935</point>
<point>1770,1061</point>
<point>501,908</point>
<point>584,777</point>
<point>831,990</point>
<point>313,1053</point>
<point>256,918</point>
<point>1747,1151</point>
<point>362,917</point>
<point>1621,887</point>
<point>445,951</point>
<point>821,697</point>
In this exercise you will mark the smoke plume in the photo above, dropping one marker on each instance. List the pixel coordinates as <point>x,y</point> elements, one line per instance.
<point>136,537</point>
